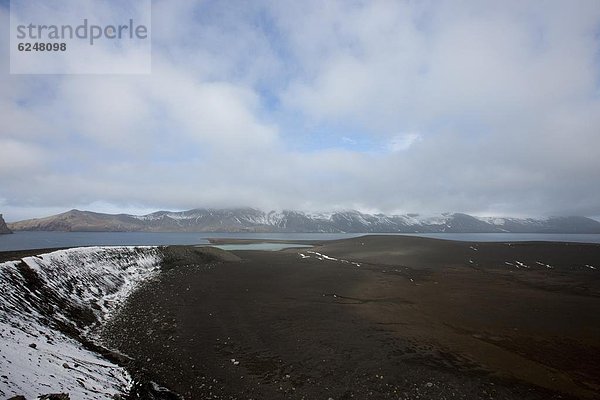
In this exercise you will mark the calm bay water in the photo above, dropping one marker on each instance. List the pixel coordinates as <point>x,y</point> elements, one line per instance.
<point>261,246</point>
<point>38,240</point>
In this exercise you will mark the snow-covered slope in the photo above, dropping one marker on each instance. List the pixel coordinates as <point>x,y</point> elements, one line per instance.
<point>49,303</point>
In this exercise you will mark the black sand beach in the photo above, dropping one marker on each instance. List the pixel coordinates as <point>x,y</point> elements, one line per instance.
<point>417,318</point>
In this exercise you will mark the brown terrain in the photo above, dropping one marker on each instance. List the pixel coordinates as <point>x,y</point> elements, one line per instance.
<point>376,317</point>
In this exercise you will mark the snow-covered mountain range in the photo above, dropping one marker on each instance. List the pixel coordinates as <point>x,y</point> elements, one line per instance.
<point>253,220</point>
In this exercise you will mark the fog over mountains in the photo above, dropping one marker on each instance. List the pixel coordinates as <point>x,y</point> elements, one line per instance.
<point>253,220</point>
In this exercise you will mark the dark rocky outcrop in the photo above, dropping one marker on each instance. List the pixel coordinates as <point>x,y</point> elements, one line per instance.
<point>3,228</point>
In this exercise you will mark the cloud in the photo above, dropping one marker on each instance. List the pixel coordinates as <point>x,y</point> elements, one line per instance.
<point>399,106</point>
<point>403,141</point>
<point>17,158</point>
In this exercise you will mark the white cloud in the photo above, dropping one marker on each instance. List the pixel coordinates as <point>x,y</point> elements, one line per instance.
<point>497,107</point>
<point>18,158</point>
<point>404,141</point>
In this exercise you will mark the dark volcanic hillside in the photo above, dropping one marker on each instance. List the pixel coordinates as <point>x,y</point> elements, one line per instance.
<point>3,228</point>
<point>252,220</point>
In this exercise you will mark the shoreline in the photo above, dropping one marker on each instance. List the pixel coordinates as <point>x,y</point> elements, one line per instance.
<point>220,241</point>
<point>33,240</point>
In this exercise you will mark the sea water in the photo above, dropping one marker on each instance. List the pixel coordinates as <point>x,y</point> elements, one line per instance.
<point>40,240</point>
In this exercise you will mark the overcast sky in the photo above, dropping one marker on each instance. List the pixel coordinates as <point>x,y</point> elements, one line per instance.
<point>484,107</point>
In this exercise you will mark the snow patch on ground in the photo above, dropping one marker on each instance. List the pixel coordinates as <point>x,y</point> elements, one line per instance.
<point>521,265</point>
<point>58,364</point>
<point>324,257</point>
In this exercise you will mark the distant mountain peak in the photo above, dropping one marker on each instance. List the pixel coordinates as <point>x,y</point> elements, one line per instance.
<point>254,220</point>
